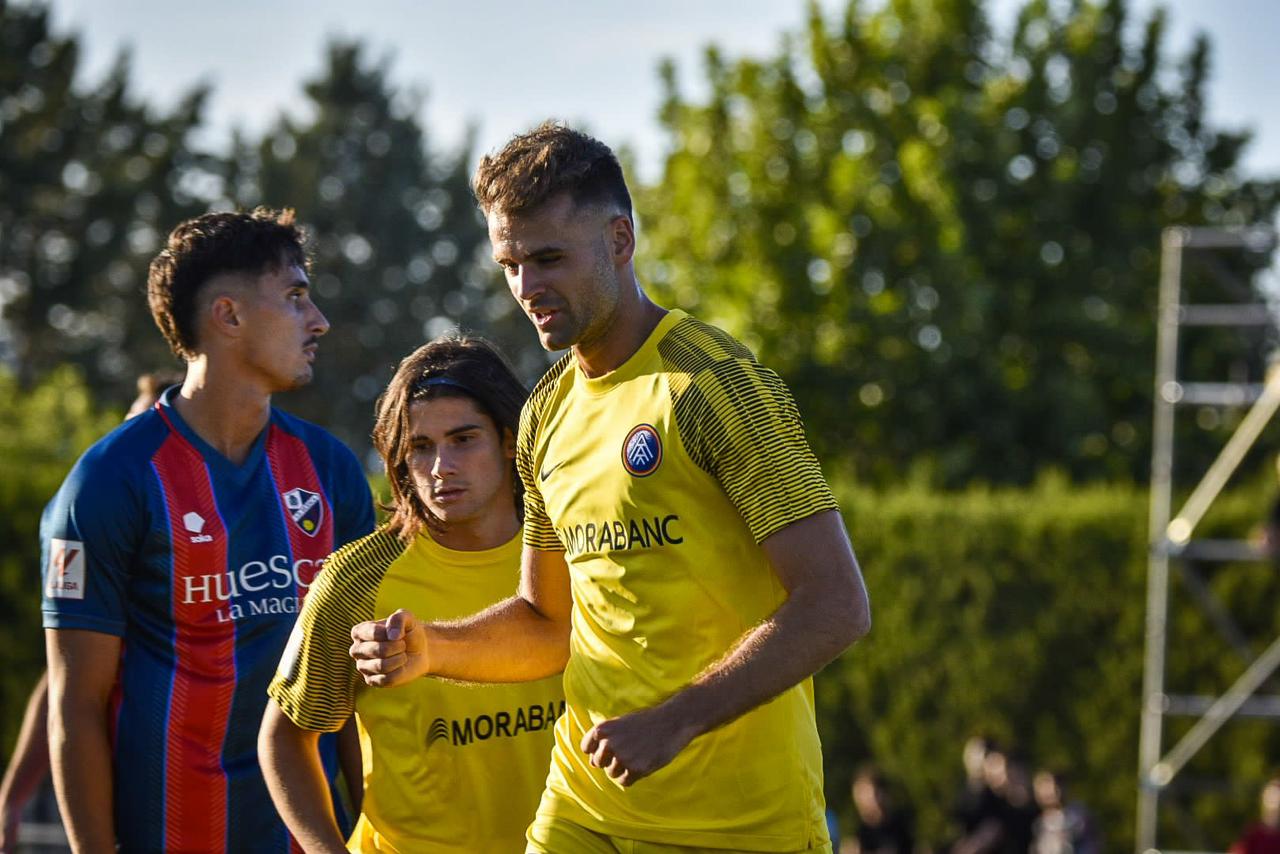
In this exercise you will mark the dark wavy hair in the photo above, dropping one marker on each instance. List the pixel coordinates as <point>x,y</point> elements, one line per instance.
<point>546,161</point>
<point>452,365</point>
<point>210,245</point>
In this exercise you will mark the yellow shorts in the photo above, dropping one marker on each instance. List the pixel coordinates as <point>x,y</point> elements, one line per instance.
<point>557,835</point>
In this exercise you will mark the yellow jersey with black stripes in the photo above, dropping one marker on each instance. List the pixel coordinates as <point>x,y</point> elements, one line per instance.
<point>447,767</point>
<point>658,481</point>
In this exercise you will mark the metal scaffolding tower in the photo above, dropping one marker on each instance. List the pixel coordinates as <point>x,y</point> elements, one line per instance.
<point>1171,542</point>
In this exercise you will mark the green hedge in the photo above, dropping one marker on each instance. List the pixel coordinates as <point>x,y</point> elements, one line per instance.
<point>1021,614</point>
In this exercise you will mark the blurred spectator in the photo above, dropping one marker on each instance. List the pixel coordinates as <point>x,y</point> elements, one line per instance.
<point>1063,827</point>
<point>976,805</point>
<point>1263,837</point>
<point>882,827</point>
<point>149,388</point>
<point>1007,818</point>
<point>1009,776</point>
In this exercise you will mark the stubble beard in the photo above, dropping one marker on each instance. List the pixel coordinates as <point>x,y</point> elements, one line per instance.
<point>300,379</point>
<point>603,307</point>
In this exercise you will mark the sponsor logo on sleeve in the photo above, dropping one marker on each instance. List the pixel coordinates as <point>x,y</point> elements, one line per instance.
<point>305,508</point>
<point>642,451</point>
<point>66,570</point>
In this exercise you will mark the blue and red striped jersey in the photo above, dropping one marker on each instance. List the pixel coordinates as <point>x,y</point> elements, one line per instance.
<point>200,566</point>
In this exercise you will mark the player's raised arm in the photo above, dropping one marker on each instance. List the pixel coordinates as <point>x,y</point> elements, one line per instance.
<point>519,639</point>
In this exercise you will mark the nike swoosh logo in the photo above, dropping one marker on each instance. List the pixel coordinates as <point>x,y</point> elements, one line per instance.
<point>546,473</point>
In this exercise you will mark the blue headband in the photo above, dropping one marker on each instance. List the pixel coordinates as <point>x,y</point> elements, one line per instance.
<point>427,382</point>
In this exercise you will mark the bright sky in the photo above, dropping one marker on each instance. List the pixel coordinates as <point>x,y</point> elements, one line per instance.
<point>503,65</point>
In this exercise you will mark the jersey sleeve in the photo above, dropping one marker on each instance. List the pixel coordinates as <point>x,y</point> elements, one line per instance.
<point>739,422</point>
<point>354,513</point>
<point>539,533</point>
<point>316,679</point>
<point>90,534</point>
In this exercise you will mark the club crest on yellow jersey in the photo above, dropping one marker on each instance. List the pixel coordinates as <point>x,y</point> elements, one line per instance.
<point>642,451</point>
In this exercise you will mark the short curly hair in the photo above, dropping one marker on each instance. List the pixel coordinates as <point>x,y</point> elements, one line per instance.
<point>210,245</point>
<point>548,160</point>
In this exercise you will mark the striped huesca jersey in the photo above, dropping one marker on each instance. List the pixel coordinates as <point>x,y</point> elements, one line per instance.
<point>448,767</point>
<point>199,565</point>
<point>659,480</point>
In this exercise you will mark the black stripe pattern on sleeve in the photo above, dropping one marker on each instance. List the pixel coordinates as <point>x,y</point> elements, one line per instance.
<point>316,689</point>
<point>738,422</point>
<point>539,533</point>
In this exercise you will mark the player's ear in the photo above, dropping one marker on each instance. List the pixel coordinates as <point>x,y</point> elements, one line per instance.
<point>224,314</point>
<point>225,299</point>
<point>508,444</point>
<point>622,239</point>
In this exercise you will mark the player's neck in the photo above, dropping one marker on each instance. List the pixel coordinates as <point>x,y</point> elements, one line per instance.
<point>226,413</point>
<point>633,322</point>
<point>473,535</point>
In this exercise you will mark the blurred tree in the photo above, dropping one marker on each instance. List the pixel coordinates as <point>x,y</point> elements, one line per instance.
<point>400,252</point>
<point>945,240</point>
<point>91,179</point>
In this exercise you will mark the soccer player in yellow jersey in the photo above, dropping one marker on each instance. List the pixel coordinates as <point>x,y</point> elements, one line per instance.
<point>447,767</point>
<point>684,560</point>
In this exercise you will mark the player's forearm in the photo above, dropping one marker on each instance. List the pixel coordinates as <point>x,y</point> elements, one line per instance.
<point>807,632</point>
<point>509,642</point>
<point>295,777</point>
<point>30,762</point>
<point>351,763</point>
<point>82,672</point>
<point>80,756</point>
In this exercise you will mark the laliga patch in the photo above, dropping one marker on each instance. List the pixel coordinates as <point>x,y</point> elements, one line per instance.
<point>305,508</point>
<point>642,451</point>
<point>66,570</point>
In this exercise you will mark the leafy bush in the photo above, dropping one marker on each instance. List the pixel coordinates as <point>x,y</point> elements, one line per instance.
<point>1020,614</point>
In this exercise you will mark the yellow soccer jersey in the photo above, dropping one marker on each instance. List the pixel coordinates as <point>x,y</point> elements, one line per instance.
<point>447,767</point>
<point>658,481</point>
